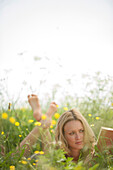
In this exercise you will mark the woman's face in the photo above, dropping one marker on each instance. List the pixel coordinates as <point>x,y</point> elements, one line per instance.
<point>74,134</point>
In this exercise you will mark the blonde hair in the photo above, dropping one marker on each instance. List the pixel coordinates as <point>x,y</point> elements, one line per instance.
<point>74,114</point>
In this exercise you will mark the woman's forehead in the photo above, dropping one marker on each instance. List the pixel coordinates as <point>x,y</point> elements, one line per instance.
<point>73,125</point>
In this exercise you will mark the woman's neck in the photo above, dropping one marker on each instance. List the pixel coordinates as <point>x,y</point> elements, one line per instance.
<point>75,154</point>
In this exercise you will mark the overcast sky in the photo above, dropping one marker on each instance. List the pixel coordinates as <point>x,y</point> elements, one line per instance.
<point>43,39</point>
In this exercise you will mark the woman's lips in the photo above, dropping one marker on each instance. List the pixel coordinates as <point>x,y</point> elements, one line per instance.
<point>79,143</point>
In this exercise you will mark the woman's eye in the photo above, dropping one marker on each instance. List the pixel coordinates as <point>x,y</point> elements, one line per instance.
<point>81,131</point>
<point>72,133</point>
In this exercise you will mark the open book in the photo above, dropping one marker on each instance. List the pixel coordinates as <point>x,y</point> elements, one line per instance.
<point>105,139</point>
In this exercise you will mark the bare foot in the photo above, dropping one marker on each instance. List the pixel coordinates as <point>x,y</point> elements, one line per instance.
<point>34,103</point>
<point>52,109</point>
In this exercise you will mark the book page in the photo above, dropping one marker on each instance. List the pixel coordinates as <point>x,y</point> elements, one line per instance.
<point>105,138</point>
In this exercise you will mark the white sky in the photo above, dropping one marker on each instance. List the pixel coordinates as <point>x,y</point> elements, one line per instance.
<point>70,36</point>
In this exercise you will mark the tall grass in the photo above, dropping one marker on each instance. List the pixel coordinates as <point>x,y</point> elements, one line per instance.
<point>15,124</point>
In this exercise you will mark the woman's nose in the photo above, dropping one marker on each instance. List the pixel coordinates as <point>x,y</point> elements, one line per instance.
<point>77,136</point>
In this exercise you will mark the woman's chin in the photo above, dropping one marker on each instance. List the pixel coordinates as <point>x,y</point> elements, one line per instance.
<point>79,146</point>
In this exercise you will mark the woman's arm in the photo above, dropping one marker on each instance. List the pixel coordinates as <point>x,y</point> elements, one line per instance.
<point>29,141</point>
<point>33,137</point>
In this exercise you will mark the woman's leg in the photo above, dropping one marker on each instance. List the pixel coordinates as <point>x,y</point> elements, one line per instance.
<point>46,136</point>
<point>37,113</point>
<point>35,105</point>
<point>33,136</point>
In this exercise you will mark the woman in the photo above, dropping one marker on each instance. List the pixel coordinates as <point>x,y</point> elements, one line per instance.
<point>72,131</point>
<point>75,135</point>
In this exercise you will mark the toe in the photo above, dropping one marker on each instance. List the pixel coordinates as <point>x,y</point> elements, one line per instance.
<point>53,103</point>
<point>28,96</point>
<point>33,95</point>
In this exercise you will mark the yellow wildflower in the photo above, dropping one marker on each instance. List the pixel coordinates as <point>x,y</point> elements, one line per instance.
<point>53,122</point>
<point>65,108</point>
<point>51,126</point>
<point>10,104</point>
<point>57,115</point>
<point>57,105</point>
<point>2,133</point>
<point>41,152</point>
<point>111,104</point>
<point>92,125</point>
<point>24,162</point>
<point>34,163</point>
<point>36,152</point>
<point>30,121</point>
<point>12,120</point>
<point>43,117</point>
<point>29,159</point>
<point>4,115</point>
<point>97,118</point>
<point>37,123</point>
<point>17,123</point>
<point>52,131</point>
<point>12,167</point>
<point>36,160</point>
<point>89,115</point>
<point>20,136</point>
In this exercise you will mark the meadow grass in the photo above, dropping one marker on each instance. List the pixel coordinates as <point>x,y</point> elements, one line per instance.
<point>15,125</point>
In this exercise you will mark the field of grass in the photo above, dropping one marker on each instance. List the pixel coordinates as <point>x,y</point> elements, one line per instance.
<point>15,125</point>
